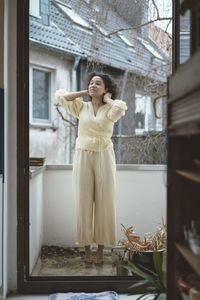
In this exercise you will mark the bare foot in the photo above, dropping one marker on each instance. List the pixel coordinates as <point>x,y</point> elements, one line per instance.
<point>99,255</point>
<point>88,254</point>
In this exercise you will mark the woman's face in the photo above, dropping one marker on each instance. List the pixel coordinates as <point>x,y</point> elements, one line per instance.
<point>96,87</point>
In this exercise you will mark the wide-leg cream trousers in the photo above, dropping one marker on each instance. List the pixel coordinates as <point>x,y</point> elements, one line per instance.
<point>94,184</point>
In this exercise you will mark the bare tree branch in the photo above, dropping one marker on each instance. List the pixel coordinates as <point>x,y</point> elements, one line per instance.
<point>156,7</point>
<point>167,26</point>
<point>138,26</point>
<point>166,30</point>
<point>62,117</point>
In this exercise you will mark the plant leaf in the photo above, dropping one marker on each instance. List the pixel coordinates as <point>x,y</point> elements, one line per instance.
<point>133,268</point>
<point>158,266</point>
<point>151,288</point>
<point>142,282</point>
<point>162,296</point>
<point>142,296</point>
<point>153,273</point>
<point>139,292</point>
<point>164,270</point>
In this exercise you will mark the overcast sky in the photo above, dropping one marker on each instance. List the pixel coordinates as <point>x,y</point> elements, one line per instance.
<point>165,10</point>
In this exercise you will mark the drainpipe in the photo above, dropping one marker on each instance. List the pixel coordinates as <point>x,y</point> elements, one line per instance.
<point>74,73</point>
<point>74,88</point>
<point>120,120</point>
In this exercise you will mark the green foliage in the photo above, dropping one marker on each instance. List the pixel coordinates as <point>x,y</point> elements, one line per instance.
<point>151,282</point>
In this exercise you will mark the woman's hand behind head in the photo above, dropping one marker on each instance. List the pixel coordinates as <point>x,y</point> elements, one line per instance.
<point>106,97</point>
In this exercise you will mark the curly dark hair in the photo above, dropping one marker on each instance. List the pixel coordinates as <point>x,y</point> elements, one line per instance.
<point>108,82</point>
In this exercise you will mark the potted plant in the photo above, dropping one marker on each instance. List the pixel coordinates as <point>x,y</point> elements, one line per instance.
<point>141,250</point>
<point>153,283</point>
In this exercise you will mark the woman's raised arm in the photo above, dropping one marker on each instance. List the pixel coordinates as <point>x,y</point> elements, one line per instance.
<point>73,95</point>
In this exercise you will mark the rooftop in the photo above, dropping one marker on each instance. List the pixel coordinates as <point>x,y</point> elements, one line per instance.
<point>78,28</point>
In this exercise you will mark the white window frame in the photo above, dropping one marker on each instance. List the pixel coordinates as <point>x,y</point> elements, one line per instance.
<point>159,127</point>
<point>145,129</point>
<point>148,111</point>
<point>34,8</point>
<point>40,121</point>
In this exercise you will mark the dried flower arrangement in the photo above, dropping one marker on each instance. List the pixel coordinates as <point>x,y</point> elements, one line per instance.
<point>150,242</point>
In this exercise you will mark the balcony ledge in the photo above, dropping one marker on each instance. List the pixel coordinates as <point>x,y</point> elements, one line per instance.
<point>120,167</point>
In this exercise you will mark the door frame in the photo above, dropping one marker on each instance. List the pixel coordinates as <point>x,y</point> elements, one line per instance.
<point>25,282</point>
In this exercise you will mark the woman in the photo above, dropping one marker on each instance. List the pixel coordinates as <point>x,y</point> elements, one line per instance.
<point>94,165</point>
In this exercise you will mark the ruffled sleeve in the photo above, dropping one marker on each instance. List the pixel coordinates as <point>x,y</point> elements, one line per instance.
<point>117,110</point>
<point>73,107</point>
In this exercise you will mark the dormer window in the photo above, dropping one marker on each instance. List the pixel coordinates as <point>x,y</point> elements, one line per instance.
<point>34,9</point>
<point>95,7</point>
<point>102,30</point>
<point>125,40</point>
<point>74,16</point>
<point>150,48</point>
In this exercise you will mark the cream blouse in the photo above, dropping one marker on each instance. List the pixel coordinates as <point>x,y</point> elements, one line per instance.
<point>94,132</point>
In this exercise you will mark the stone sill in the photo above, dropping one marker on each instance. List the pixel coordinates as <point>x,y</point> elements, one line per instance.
<point>43,126</point>
<point>120,167</point>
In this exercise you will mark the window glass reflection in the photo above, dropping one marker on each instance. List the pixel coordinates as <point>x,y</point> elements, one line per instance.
<point>185,37</point>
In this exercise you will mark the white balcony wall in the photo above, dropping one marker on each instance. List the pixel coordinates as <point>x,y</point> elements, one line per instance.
<point>36,224</point>
<point>140,202</point>
<point>141,197</point>
<point>59,212</point>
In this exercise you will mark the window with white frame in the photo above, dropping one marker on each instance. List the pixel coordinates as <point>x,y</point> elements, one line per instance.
<point>40,95</point>
<point>157,124</point>
<point>145,116</point>
<point>34,8</point>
